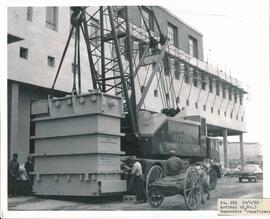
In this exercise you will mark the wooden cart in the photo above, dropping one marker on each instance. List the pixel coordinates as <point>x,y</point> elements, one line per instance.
<point>187,184</point>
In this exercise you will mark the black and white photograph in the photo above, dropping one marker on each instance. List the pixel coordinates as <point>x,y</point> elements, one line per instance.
<point>140,107</point>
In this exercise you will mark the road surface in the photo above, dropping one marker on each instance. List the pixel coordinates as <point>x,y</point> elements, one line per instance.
<point>226,188</point>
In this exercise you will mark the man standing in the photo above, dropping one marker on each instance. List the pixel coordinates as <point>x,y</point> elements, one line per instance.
<point>138,180</point>
<point>174,164</point>
<point>29,167</point>
<point>13,173</point>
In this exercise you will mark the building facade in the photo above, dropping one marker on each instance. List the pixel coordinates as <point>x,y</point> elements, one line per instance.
<point>253,152</point>
<point>199,88</point>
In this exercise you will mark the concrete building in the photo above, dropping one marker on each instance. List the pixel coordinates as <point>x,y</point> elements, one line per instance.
<point>32,64</point>
<point>253,153</point>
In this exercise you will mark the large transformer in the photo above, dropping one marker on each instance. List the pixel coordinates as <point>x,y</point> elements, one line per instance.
<point>77,145</point>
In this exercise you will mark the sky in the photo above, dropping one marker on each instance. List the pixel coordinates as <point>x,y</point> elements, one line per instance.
<point>236,38</point>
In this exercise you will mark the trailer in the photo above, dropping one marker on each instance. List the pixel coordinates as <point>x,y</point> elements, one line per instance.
<point>187,184</point>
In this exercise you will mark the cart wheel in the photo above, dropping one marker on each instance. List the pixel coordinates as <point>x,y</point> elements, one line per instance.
<point>155,198</point>
<point>154,174</point>
<point>192,188</point>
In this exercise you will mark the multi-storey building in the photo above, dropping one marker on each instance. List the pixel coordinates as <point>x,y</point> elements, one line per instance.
<point>199,88</point>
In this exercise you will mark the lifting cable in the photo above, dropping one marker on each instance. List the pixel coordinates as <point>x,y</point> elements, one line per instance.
<point>62,59</point>
<point>159,89</point>
<point>182,80</point>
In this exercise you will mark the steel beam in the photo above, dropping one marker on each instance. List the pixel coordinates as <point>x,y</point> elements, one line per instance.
<point>103,86</point>
<point>84,28</point>
<point>146,89</point>
<point>131,69</point>
<point>122,74</point>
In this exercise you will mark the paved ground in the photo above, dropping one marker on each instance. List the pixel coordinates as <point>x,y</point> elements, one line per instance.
<point>227,188</point>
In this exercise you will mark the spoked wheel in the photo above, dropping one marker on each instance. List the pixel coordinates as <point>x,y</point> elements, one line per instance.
<point>192,188</point>
<point>154,174</point>
<point>155,198</point>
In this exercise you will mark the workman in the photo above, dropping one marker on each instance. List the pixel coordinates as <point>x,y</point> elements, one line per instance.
<point>174,164</point>
<point>138,180</point>
<point>29,167</point>
<point>13,174</point>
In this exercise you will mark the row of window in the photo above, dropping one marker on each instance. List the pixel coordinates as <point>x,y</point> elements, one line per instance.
<point>147,18</point>
<point>156,95</point>
<point>51,17</point>
<point>172,32</point>
<point>50,59</point>
<point>51,63</point>
<point>175,67</point>
<point>196,105</point>
<point>24,55</point>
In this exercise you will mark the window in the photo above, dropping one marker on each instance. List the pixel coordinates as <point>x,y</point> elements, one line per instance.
<point>241,99</point>
<point>71,12</point>
<point>29,13</point>
<point>51,61</point>
<point>196,105</point>
<point>177,100</point>
<point>195,78</point>
<point>218,112</point>
<point>192,47</point>
<point>187,102</point>
<point>224,91</point>
<point>204,107</point>
<point>177,69</point>
<point>167,96</point>
<point>23,53</point>
<point>212,109</point>
<point>172,66</point>
<point>231,115</point>
<point>186,74</point>
<point>169,65</point>
<point>172,34</point>
<point>142,48</point>
<point>155,93</point>
<point>210,84</point>
<point>230,94</point>
<point>217,88</point>
<point>225,114</point>
<point>235,97</point>
<point>166,64</point>
<point>203,81</point>
<point>51,18</point>
<point>148,18</point>
<point>121,13</point>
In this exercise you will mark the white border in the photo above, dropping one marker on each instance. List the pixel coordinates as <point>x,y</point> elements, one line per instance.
<point>3,97</point>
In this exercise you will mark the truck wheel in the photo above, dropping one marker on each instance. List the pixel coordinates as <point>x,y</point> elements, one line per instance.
<point>255,180</point>
<point>240,179</point>
<point>213,179</point>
